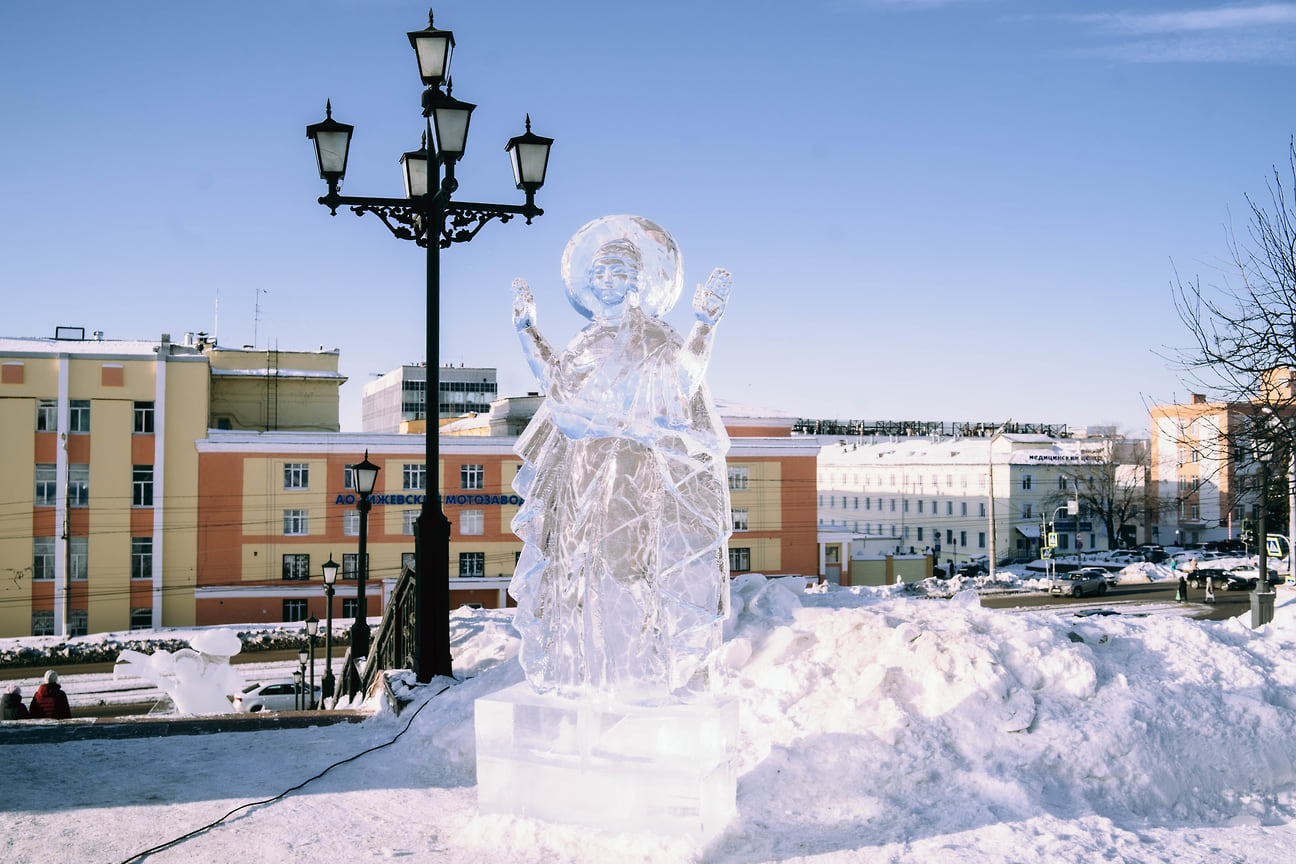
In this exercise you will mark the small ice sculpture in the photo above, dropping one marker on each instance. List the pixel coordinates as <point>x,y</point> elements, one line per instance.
<point>199,679</point>
<point>622,585</point>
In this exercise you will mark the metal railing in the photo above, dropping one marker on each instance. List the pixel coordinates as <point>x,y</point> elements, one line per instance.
<point>393,646</point>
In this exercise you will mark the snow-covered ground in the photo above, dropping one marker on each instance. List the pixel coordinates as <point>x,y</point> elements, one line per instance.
<point>877,724</point>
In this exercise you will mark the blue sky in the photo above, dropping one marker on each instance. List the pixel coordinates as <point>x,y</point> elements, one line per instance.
<point>932,210</point>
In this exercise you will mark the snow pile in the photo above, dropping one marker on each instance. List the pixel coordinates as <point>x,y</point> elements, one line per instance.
<point>875,725</point>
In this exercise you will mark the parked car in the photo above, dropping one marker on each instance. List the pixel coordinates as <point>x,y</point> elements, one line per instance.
<point>1152,552</point>
<point>270,696</point>
<point>1079,582</point>
<point>971,570</point>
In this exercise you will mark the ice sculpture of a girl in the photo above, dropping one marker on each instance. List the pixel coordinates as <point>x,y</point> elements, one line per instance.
<point>622,585</point>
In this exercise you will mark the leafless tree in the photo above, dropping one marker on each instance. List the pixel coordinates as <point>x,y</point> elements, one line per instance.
<point>1111,485</point>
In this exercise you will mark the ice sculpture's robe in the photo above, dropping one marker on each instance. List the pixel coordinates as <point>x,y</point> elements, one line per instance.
<point>622,584</point>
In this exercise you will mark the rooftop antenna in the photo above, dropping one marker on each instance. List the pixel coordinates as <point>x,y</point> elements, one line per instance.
<point>256,314</point>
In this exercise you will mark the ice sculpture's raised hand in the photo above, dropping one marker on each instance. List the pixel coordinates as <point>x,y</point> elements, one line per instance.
<point>709,302</point>
<point>524,309</point>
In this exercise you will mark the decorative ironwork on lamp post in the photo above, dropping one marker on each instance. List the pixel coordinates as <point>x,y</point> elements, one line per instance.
<point>429,216</point>
<point>330,570</point>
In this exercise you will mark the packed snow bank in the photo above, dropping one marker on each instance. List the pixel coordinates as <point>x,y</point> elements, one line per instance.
<point>875,725</point>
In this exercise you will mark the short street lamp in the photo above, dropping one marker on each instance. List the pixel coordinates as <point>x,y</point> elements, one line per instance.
<point>330,569</point>
<point>312,627</point>
<point>297,687</point>
<point>366,477</point>
<point>428,216</point>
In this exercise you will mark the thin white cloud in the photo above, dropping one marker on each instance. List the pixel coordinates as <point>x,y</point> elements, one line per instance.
<point>1224,18</point>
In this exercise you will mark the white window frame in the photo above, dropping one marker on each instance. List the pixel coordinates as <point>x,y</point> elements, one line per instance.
<point>296,476</point>
<point>472,523</point>
<point>738,516</point>
<point>472,476</point>
<point>409,520</point>
<point>296,523</point>
<point>414,477</point>
<point>351,523</point>
<point>739,478</point>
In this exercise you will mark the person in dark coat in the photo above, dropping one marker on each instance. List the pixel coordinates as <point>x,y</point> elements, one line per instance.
<point>12,707</point>
<point>1183,589</point>
<point>50,701</point>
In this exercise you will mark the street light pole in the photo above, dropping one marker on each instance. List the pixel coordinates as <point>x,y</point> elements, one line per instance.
<point>429,216</point>
<point>330,569</point>
<point>312,627</point>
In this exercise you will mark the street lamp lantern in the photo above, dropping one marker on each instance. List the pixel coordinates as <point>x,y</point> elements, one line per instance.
<point>366,476</point>
<point>302,656</point>
<point>529,155</point>
<point>330,569</point>
<point>433,48</point>
<point>332,141</point>
<point>414,168</point>
<point>449,119</point>
<point>312,626</point>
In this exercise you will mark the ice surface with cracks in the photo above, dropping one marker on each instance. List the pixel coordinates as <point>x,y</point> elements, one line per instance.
<point>623,580</point>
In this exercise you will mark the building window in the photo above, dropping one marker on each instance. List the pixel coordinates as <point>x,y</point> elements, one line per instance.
<point>294,610</point>
<point>962,538</point>
<point>962,508</point>
<point>906,505</point>
<point>891,501</point>
<point>472,563</point>
<point>79,415</point>
<point>46,485</point>
<point>949,508</point>
<point>351,522</point>
<point>905,533</point>
<point>981,510</point>
<point>1026,482</point>
<point>141,618</point>
<point>981,540</point>
<point>144,422</point>
<point>78,557</point>
<point>142,486</point>
<point>78,622</point>
<point>920,533</point>
<point>1027,510</point>
<point>738,478</point>
<point>739,558</point>
<point>409,521</point>
<point>739,518</point>
<point>141,557</point>
<point>920,505</point>
<point>296,566</point>
<point>472,521</point>
<point>46,415</point>
<point>79,485</point>
<point>43,623</point>
<point>472,477</point>
<point>414,477</point>
<point>348,477</point>
<point>351,565</point>
<point>350,607</point>
<point>42,558</point>
<point>296,523</point>
<point>296,475</point>
<point>893,529</point>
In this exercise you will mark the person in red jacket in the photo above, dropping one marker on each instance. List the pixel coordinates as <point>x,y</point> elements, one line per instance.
<point>50,701</point>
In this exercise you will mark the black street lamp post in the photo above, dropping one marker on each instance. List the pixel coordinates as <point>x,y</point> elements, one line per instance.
<point>432,219</point>
<point>330,578</point>
<point>312,627</point>
<point>297,686</point>
<point>366,478</point>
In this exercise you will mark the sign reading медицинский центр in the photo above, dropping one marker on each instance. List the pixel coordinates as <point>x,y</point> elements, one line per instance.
<point>408,500</point>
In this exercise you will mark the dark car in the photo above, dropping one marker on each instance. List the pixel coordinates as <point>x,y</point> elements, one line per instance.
<point>971,570</point>
<point>1197,578</point>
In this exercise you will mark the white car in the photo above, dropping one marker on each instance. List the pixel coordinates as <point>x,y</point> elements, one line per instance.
<point>271,696</point>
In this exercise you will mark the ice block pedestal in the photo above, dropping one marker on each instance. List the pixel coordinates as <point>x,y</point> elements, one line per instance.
<point>666,769</point>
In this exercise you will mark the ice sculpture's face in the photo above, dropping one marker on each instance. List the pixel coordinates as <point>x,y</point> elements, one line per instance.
<point>615,281</point>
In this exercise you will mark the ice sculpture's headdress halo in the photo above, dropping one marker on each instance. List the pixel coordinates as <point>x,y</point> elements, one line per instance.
<point>661,275</point>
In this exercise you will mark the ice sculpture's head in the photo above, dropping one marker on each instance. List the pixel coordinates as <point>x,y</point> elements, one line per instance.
<point>614,276</point>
